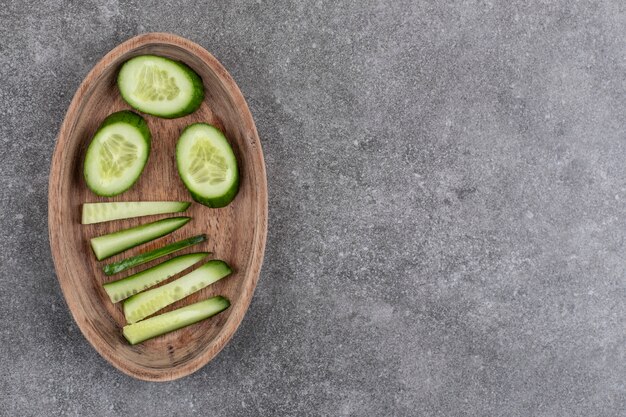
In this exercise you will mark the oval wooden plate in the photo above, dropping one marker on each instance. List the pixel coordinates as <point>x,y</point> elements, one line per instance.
<point>236,233</point>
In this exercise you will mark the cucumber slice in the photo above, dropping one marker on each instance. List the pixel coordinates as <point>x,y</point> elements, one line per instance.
<point>104,212</point>
<point>207,165</point>
<point>131,285</point>
<point>141,305</point>
<point>174,320</point>
<point>142,258</point>
<point>160,87</point>
<point>114,243</point>
<point>117,154</point>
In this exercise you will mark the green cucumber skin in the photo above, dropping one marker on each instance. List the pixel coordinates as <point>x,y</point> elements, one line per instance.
<point>135,120</point>
<point>177,223</point>
<point>194,103</point>
<point>218,202</point>
<point>174,320</point>
<point>142,305</point>
<point>123,288</point>
<point>131,118</point>
<point>213,202</point>
<point>124,264</point>
<point>89,217</point>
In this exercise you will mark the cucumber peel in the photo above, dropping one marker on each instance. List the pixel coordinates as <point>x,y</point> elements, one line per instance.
<point>142,305</point>
<point>131,285</point>
<point>142,258</point>
<point>113,243</point>
<point>174,320</point>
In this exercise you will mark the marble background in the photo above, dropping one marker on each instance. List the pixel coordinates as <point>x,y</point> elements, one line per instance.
<point>447,208</point>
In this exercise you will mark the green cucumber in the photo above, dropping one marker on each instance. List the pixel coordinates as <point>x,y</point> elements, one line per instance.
<point>117,154</point>
<point>160,86</point>
<point>104,212</point>
<point>114,243</point>
<point>141,305</point>
<point>131,285</point>
<point>142,258</point>
<point>207,165</point>
<point>174,320</point>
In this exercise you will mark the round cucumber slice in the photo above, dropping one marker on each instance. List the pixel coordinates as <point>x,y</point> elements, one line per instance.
<point>117,154</point>
<point>160,86</point>
<point>207,165</point>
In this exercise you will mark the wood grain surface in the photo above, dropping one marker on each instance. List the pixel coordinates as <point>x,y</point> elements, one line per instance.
<point>236,233</point>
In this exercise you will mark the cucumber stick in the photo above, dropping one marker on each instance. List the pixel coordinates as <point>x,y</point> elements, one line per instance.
<point>104,212</point>
<point>207,165</point>
<point>117,154</point>
<point>142,258</point>
<point>131,285</point>
<point>108,245</point>
<point>141,305</point>
<point>174,320</point>
<point>160,86</point>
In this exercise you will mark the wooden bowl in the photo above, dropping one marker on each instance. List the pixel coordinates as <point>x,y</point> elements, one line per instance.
<point>236,233</point>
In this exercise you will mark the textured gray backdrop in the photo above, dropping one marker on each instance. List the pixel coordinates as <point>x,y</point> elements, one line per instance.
<point>447,208</point>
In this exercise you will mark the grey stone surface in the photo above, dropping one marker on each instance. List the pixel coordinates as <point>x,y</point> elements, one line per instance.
<point>447,208</point>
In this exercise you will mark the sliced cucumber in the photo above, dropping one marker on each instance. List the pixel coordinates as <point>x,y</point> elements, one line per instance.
<point>160,86</point>
<point>117,154</point>
<point>131,285</point>
<point>207,165</point>
<point>114,243</point>
<point>124,264</point>
<point>141,305</point>
<point>174,320</point>
<point>104,212</point>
